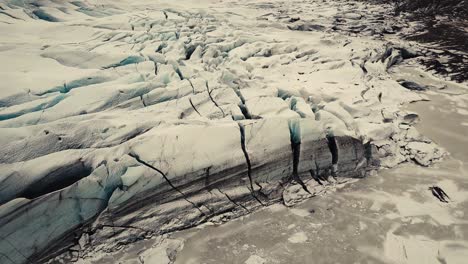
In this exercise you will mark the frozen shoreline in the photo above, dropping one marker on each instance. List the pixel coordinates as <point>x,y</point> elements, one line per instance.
<point>133,125</point>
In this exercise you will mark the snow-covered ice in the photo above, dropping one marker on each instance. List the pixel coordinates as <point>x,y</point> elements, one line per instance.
<point>125,120</point>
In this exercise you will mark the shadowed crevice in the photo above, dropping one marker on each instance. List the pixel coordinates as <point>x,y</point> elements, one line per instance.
<point>249,165</point>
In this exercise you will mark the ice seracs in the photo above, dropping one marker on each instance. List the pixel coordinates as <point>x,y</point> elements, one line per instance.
<point>123,121</point>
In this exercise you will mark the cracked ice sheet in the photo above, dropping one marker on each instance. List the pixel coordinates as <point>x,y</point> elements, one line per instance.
<point>389,218</point>
<point>24,69</point>
<point>141,55</point>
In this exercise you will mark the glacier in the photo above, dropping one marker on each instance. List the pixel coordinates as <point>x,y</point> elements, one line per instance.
<point>126,120</point>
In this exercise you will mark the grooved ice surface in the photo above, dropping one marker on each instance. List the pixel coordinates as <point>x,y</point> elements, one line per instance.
<point>122,120</point>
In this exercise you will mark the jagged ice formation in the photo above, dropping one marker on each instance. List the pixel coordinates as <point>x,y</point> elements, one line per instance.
<point>122,121</point>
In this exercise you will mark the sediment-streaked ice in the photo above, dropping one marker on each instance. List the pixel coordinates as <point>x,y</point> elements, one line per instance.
<point>126,120</point>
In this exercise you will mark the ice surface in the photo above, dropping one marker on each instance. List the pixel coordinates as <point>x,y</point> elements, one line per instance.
<point>122,120</point>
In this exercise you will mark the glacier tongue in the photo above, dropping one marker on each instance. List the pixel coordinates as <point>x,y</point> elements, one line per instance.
<point>125,120</point>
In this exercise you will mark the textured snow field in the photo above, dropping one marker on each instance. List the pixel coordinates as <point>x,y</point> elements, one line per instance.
<point>125,120</point>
